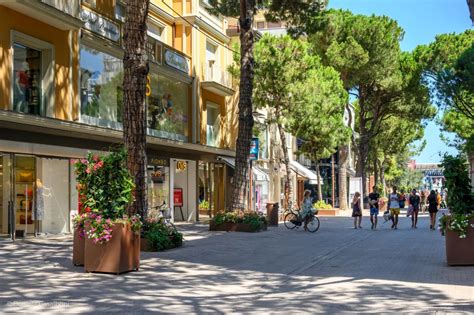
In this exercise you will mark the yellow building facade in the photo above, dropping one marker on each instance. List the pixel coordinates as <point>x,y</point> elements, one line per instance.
<point>60,96</point>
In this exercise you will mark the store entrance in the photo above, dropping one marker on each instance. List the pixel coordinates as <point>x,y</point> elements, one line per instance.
<point>17,193</point>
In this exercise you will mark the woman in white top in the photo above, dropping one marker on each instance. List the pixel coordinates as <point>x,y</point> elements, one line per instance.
<point>394,207</point>
<point>306,207</point>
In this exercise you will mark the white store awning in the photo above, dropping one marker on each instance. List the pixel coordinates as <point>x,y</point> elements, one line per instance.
<point>305,172</point>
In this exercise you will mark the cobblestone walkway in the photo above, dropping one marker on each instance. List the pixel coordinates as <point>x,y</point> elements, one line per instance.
<point>337,269</point>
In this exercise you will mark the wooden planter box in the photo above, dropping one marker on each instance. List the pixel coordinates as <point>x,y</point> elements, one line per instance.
<point>78,247</point>
<point>234,227</point>
<point>460,251</point>
<point>120,254</point>
<point>328,212</point>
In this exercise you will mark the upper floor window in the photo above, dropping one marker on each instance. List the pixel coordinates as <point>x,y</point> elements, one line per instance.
<point>27,80</point>
<point>101,78</point>
<point>213,125</point>
<point>91,3</point>
<point>120,11</point>
<point>155,31</point>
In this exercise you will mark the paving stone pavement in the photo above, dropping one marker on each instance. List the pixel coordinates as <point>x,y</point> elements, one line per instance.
<point>336,270</point>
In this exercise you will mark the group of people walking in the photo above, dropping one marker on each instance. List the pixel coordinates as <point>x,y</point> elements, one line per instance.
<point>397,201</point>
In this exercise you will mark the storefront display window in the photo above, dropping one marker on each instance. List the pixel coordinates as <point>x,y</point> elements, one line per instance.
<point>158,175</point>
<point>27,80</point>
<point>168,108</point>
<point>101,88</point>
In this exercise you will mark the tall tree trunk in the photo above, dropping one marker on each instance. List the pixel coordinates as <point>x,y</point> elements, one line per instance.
<point>318,174</point>
<point>382,175</point>
<point>376,172</point>
<point>134,110</point>
<point>343,163</point>
<point>361,163</point>
<point>241,181</point>
<point>286,161</point>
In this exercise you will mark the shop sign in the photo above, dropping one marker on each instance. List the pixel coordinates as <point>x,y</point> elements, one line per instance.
<point>178,197</point>
<point>176,61</point>
<point>254,149</point>
<point>181,165</point>
<point>158,162</point>
<point>98,24</point>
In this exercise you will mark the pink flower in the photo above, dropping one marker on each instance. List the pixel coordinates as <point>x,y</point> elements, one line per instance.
<point>84,161</point>
<point>88,170</point>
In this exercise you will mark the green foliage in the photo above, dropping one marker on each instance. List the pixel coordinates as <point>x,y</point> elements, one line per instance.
<point>457,222</point>
<point>462,126</point>
<point>320,204</point>
<point>204,205</point>
<point>456,172</point>
<point>104,184</point>
<point>449,70</point>
<point>252,218</point>
<point>160,236</point>
<point>318,115</point>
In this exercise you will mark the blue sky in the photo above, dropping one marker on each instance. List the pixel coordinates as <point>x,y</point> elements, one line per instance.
<point>422,20</point>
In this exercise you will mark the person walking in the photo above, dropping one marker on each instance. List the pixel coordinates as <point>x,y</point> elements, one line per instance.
<point>402,199</point>
<point>432,208</point>
<point>438,198</point>
<point>415,201</point>
<point>307,207</point>
<point>374,207</point>
<point>394,206</point>
<point>423,201</point>
<point>356,210</point>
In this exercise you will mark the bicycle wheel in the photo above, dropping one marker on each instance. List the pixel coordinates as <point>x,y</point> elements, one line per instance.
<point>313,224</point>
<point>290,220</point>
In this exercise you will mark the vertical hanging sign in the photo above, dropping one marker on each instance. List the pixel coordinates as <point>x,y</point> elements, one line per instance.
<point>254,149</point>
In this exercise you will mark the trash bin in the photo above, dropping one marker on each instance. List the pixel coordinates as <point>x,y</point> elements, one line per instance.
<point>272,213</point>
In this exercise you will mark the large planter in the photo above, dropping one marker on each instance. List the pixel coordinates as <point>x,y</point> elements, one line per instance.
<point>460,251</point>
<point>78,249</point>
<point>234,227</point>
<point>120,254</point>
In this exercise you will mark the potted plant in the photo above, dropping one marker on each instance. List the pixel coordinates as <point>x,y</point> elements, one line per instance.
<point>239,221</point>
<point>159,236</point>
<point>79,239</point>
<point>112,235</point>
<point>458,225</point>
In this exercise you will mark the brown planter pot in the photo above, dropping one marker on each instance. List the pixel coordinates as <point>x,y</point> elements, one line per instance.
<point>78,249</point>
<point>460,251</point>
<point>120,254</point>
<point>144,245</point>
<point>234,227</point>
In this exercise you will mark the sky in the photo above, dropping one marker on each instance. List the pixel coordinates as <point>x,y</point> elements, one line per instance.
<point>422,20</point>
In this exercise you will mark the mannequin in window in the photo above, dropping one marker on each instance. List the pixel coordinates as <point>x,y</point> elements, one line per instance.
<point>22,87</point>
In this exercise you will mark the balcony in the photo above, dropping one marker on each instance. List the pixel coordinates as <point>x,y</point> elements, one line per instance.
<point>61,14</point>
<point>216,80</point>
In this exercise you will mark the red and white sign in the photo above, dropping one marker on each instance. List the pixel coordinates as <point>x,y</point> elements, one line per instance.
<point>178,197</point>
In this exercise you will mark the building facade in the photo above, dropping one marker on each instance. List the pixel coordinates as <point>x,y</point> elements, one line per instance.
<point>61,96</point>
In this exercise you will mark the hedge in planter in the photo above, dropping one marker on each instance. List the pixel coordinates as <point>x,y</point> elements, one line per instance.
<point>112,238</point>
<point>158,236</point>
<point>238,222</point>
<point>458,226</point>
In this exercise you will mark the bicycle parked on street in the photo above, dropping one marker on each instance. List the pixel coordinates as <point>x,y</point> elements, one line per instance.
<point>164,213</point>
<point>293,219</point>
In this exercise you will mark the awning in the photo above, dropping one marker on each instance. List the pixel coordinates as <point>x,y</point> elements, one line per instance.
<point>258,173</point>
<point>305,172</point>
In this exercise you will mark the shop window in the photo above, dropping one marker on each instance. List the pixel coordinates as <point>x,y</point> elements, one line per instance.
<point>101,88</point>
<point>27,80</point>
<point>168,108</point>
<point>213,125</point>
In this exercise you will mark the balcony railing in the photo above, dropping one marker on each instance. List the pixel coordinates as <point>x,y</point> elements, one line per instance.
<point>213,73</point>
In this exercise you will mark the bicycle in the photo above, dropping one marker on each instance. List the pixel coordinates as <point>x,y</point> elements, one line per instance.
<point>164,215</point>
<point>293,219</point>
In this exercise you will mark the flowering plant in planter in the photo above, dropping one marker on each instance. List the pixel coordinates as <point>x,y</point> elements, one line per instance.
<point>159,235</point>
<point>79,221</point>
<point>252,218</point>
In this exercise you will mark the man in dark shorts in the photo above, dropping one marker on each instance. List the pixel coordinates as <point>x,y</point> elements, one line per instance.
<point>374,207</point>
